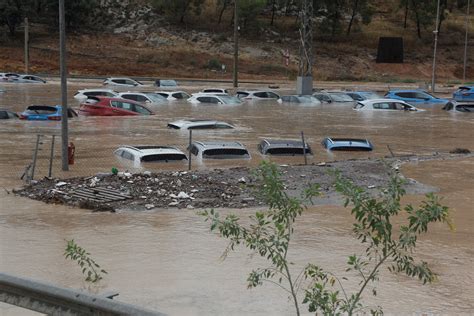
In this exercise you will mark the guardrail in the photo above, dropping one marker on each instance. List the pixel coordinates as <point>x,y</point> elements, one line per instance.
<point>54,300</point>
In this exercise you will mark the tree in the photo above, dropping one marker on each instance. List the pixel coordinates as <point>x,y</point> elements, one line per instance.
<point>271,231</point>
<point>249,10</point>
<point>78,13</point>
<point>11,14</point>
<point>362,8</point>
<point>177,9</point>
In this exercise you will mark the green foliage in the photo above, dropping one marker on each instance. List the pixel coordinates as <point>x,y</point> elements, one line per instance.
<point>270,231</point>
<point>214,64</point>
<point>79,14</point>
<point>248,12</point>
<point>90,269</point>
<point>374,228</point>
<point>176,10</point>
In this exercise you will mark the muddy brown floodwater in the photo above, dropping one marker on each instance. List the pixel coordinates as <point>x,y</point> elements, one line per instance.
<point>167,260</point>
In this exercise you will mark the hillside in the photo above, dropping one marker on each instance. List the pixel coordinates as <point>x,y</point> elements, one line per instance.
<point>141,43</point>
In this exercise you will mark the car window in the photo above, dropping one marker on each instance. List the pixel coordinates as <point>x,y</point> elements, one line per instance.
<point>127,155</point>
<point>242,94</point>
<point>119,81</point>
<point>286,98</point>
<point>400,106</point>
<point>360,105</point>
<point>180,95</point>
<point>405,94</point>
<point>272,95</point>
<point>203,99</point>
<point>130,82</point>
<point>140,98</point>
<point>142,110</point>
<point>420,95</point>
<point>12,115</point>
<point>213,90</point>
<point>382,106</point>
<point>203,126</point>
<point>165,95</point>
<point>130,96</point>
<point>260,94</point>
<point>3,115</point>
<point>465,108</point>
<point>356,97</point>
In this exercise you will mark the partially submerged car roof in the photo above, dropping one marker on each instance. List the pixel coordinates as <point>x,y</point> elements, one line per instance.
<point>283,147</point>
<point>219,150</point>
<point>349,144</point>
<point>150,153</point>
<point>199,124</point>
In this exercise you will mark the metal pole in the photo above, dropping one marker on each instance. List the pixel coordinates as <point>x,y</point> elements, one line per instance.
<point>304,148</point>
<point>189,148</point>
<point>51,157</point>
<point>63,71</point>
<point>27,49</point>
<point>236,44</point>
<point>465,42</point>
<point>433,75</point>
<point>35,156</point>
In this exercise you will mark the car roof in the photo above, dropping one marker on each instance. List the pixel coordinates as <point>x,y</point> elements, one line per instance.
<point>103,97</point>
<point>143,150</point>
<point>207,94</point>
<point>283,143</point>
<point>407,90</point>
<point>217,144</point>
<point>97,89</point>
<point>347,139</point>
<point>370,101</point>
<point>197,122</point>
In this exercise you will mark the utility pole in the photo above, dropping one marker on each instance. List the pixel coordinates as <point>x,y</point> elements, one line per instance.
<point>63,72</point>
<point>433,75</point>
<point>304,82</point>
<point>236,44</point>
<point>27,48</point>
<point>465,42</point>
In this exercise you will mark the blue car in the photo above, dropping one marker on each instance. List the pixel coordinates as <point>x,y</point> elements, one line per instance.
<point>45,113</point>
<point>464,93</point>
<point>363,95</point>
<point>415,97</point>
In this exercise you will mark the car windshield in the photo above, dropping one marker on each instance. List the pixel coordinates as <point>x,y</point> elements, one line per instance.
<point>340,97</point>
<point>225,153</point>
<point>230,99</point>
<point>163,157</point>
<point>41,109</point>
<point>155,97</point>
<point>465,108</point>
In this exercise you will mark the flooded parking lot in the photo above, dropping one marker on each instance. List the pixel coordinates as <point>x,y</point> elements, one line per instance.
<point>167,259</point>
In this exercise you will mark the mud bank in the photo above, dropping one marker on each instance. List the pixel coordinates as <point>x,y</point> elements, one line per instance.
<point>217,188</point>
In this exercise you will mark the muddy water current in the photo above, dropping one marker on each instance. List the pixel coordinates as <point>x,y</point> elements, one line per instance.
<point>168,261</point>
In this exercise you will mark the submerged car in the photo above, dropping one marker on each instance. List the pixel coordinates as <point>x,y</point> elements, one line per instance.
<point>7,76</point>
<point>173,95</point>
<point>82,95</point>
<point>384,105</point>
<point>166,83</point>
<point>124,82</point>
<point>363,95</point>
<point>464,93</point>
<point>45,113</point>
<point>283,147</point>
<point>199,124</point>
<point>348,144</point>
<point>459,106</point>
<point>306,99</point>
<point>148,98</point>
<point>415,97</point>
<point>256,95</point>
<point>105,106</point>
<point>219,150</point>
<point>150,153</point>
<point>7,114</point>
<point>332,96</point>
<point>27,79</point>
<point>217,98</point>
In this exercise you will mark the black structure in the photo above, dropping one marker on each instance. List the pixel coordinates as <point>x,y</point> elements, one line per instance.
<point>390,50</point>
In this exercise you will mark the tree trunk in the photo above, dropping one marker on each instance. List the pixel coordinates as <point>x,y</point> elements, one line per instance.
<point>417,18</point>
<point>406,15</point>
<point>224,6</point>
<point>354,12</point>
<point>273,11</point>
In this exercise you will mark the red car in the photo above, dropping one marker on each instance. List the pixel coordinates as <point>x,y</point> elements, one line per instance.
<point>106,106</point>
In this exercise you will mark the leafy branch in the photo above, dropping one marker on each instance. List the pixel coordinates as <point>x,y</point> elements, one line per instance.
<point>90,269</point>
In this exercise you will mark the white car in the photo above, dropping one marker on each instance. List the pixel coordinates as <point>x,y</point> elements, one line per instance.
<point>256,95</point>
<point>148,98</point>
<point>215,90</point>
<point>124,82</point>
<point>219,150</point>
<point>300,99</point>
<point>82,95</point>
<point>6,76</point>
<point>384,105</point>
<point>26,79</point>
<point>199,124</point>
<point>217,98</point>
<point>149,153</point>
<point>174,95</point>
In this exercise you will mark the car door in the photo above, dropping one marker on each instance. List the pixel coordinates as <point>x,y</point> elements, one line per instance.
<point>408,97</point>
<point>422,98</point>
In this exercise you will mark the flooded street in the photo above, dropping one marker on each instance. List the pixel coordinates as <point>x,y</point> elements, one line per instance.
<point>167,260</point>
